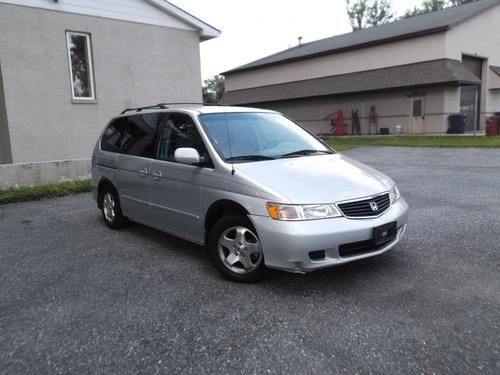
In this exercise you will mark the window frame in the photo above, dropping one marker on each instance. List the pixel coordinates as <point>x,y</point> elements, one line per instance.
<point>88,39</point>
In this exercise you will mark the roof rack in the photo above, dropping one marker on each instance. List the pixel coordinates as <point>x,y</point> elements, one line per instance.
<point>162,106</point>
<point>139,109</point>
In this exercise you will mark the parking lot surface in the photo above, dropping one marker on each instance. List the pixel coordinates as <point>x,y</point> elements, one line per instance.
<point>77,297</point>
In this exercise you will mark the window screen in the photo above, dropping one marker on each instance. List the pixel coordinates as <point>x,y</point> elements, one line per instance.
<point>417,107</point>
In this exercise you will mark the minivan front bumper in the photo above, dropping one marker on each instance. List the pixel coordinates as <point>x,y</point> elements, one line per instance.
<point>287,244</point>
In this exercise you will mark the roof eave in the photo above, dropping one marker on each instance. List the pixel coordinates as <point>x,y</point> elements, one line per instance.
<point>340,50</point>
<point>369,91</point>
<point>206,31</point>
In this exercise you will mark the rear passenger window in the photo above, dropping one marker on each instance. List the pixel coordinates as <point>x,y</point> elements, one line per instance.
<point>134,135</point>
<point>114,134</point>
<point>140,135</point>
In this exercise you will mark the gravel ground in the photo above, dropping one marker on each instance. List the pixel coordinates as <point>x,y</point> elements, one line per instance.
<point>76,297</point>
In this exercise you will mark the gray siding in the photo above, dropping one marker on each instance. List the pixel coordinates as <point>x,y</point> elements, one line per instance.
<point>393,108</point>
<point>134,64</point>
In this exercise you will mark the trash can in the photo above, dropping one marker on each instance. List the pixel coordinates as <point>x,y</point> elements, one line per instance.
<point>491,126</point>
<point>456,123</point>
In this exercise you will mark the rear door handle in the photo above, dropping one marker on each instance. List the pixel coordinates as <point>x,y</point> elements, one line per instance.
<point>143,172</point>
<point>156,175</point>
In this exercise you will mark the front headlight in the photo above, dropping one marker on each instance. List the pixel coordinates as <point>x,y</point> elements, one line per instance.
<point>394,194</point>
<point>302,212</point>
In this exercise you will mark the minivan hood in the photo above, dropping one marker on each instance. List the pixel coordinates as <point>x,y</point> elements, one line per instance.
<point>317,179</point>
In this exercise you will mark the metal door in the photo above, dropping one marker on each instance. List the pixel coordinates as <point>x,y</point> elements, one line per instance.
<point>417,115</point>
<point>133,187</point>
<point>176,188</point>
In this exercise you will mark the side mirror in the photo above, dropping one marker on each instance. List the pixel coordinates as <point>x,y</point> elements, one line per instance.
<point>187,155</point>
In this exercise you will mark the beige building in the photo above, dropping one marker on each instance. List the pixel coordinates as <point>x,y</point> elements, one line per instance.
<point>67,67</point>
<point>411,73</point>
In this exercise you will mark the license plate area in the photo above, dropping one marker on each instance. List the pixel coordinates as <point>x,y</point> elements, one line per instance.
<point>384,233</point>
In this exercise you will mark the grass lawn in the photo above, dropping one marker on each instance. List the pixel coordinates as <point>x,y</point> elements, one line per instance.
<point>31,193</point>
<point>340,143</point>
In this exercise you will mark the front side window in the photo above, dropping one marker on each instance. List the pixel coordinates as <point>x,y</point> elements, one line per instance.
<point>179,131</point>
<point>80,64</point>
<point>258,136</point>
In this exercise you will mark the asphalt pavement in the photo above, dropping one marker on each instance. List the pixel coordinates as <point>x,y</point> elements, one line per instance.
<point>77,297</point>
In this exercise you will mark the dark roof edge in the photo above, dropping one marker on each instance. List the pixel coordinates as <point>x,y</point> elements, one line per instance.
<point>340,50</point>
<point>344,74</point>
<point>495,69</point>
<point>373,91</point>
<point>453,24</point>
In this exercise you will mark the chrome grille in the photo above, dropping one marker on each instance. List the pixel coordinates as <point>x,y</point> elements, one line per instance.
<point>365,207</point>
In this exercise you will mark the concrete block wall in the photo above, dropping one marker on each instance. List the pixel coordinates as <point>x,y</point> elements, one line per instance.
<point>29,174</point>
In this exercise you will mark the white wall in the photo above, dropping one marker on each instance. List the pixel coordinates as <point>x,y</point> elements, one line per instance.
<point>134,65</point>
<point>127,10</point>
<point>424,48</point>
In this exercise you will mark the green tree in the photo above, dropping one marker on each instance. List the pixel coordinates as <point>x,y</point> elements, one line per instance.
<point>213,89</point>
<point>367,13</point>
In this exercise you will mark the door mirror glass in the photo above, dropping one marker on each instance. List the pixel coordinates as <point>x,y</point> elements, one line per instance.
<point>187,155</point>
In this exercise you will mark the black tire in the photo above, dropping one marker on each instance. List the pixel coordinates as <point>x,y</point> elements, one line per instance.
<point>256,262</point>
<point>117,220</point>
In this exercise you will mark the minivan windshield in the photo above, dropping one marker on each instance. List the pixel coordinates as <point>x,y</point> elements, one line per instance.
<point>244,137</point>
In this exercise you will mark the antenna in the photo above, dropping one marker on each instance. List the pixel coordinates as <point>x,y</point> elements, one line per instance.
<point>229,144</point>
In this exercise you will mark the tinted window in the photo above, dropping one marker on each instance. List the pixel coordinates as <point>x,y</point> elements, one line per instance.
<point>140,135</point>
<point>178,130</point>
<point>114,134</point>
<point>134,135</point>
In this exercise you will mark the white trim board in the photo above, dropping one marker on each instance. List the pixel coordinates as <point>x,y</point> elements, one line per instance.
<point>150,12</point>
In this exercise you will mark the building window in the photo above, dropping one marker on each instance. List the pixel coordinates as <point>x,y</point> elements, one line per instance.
<point>80,66</point>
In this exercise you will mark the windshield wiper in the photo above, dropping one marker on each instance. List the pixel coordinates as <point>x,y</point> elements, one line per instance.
<point>305,152</point>
<point>250,158</point>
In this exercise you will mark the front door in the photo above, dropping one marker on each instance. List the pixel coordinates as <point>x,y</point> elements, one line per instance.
<point>176,188</point>
<point>417,115</point>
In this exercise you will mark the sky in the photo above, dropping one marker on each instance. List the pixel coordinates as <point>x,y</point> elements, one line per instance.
<point>258,28</point>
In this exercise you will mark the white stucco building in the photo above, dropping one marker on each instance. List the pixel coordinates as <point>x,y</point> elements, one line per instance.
<point>413,72</point>
<point>67,67</point>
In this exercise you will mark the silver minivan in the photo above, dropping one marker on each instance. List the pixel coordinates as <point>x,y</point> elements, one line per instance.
<point>258,190</point>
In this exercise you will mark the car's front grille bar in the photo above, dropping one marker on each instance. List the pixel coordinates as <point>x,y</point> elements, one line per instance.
<point>367,207</point>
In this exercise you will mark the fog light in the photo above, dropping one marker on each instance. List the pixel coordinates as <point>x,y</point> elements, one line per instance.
<point>317,255</point>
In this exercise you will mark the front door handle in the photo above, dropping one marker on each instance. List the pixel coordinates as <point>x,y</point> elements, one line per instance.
<point>156,175</point>
<point>143,172</point>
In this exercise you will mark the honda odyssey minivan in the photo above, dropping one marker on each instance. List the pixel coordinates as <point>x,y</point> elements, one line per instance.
<point>258,190</point>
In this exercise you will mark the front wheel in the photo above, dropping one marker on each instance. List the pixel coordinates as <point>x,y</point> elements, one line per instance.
<point>235,249</point>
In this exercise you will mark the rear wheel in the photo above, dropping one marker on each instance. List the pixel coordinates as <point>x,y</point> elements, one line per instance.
<point>111,209</point>
<point>235,250</point>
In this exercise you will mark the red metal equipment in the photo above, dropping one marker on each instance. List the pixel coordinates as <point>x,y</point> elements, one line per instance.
<point>337,122</point>
<point>492,126</point>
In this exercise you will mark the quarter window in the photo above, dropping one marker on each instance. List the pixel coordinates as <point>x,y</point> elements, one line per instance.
<point>80,64</point>
<point>134,135</point>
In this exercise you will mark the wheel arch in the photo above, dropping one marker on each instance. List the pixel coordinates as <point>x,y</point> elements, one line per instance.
<point>222,208</point>
<point>100,188</point>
